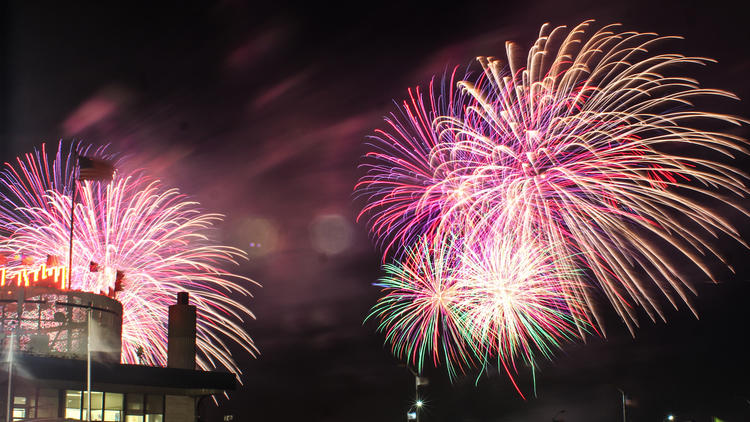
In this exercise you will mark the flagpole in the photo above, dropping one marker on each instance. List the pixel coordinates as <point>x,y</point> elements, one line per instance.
<point>95,170</point>
<point>72,217</point>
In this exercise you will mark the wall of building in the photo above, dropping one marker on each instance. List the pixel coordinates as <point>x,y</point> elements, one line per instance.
<point>179,408</point>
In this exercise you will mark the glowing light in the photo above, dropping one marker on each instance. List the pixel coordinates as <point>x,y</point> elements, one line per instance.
<point>263,234</point>
<point>330,234</point>
<point>42,275</point>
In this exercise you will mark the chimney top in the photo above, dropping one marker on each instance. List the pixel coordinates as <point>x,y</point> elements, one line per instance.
<point>183,298</point>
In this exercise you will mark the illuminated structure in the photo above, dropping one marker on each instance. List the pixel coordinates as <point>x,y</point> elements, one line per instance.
<point>52,321</point>
<point>44,333</point>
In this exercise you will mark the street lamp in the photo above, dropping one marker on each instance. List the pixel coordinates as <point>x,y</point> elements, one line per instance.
<point>413,413</point>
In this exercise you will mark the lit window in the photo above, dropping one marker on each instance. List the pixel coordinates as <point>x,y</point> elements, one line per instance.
<point>19,414</point>
<point>96,415</point>
<point>97,397</point>
<point>113,401</point>
<point>73,413</point>
<point>112,415</point>
<point>97,400</point>
<point>113,406</point>
<point>73,399</point>
<point>73,404</point>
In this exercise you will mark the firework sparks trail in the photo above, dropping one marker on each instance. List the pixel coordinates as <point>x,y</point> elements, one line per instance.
<point>27,182</point>
<point>588,145</point>
<point>464,305</point>
<point>156,236</point>
<point>516,302</point>
<point>402,186</point>
<point>422,313</point>
<point>577,149</point>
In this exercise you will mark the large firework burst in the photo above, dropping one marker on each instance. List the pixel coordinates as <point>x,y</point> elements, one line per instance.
<point>155,235</point>
<point>589,145</point>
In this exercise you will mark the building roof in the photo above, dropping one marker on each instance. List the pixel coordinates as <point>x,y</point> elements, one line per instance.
<point>71,374</point>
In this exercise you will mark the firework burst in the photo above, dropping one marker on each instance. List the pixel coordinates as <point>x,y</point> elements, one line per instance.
<point>423,312</point>
<point>576,145</point>
<point>589,147</point>
<point>464,306</point>
<point>517,302</point>
<point>156,236</point>
<point>405,192</point>
<point>27,181</point>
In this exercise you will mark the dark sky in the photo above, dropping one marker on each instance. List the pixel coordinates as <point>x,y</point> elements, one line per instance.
<point>260,111</point>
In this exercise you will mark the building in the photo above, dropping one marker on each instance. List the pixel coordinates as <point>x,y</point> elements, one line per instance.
<point>44,335</point>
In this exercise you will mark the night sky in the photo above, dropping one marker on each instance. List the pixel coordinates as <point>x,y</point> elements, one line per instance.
<point>260,112</point>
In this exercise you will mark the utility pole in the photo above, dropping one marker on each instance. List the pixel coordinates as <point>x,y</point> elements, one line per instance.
<point>10,376</point>
<point>88,363</point>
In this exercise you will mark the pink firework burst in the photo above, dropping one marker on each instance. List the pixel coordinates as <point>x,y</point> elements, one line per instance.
<point>404,185</point>
<point>589,144</point>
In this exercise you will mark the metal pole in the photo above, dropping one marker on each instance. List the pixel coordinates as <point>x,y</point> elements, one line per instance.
<point>623,404</point>
<point>417,406</point>
<point>88,364</point>
<point>10,376</point>
<point>416,396</point>
<point>72,216</point>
